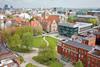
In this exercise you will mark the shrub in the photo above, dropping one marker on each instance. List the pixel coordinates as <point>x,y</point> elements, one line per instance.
<point>30,65</point>
<point>79,64</point>
<point>21,59</point>
<point>56,64</point>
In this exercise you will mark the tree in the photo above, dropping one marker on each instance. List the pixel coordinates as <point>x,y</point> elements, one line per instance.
<point>22,30</point>
<point>37,30</point>
<point>32,19</point>
<point>93,21</point>
<point>72,19</point>
<point>7,35</point>
<point>14,41</point>
<point>27,40</point>
<point>79,64</point>
<point>9,16</point>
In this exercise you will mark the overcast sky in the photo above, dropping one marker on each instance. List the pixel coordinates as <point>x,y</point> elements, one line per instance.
<point>52,3</point>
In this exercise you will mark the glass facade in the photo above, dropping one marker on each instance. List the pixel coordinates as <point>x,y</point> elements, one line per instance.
<point>67,31</point>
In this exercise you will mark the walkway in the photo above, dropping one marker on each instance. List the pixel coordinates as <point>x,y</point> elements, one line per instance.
<point>28,58</point>
<point>66,64</point>
<point>46,41</point>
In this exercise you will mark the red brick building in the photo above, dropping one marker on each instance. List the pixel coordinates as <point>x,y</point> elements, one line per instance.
<point>50,23</point>
<point>97,37</point>
<point>74,51</point>
<point>93,60</point>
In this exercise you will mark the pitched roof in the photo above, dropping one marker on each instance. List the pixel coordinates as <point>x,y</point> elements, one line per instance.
<point>33,23</point>
<point>51,18</point>
<point>5,52</point>
<point>18,19</point>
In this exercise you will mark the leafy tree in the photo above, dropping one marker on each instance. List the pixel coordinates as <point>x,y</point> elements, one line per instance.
<point>48,53</point>
<point>27,40</point>
<point>9,16</point>
<point>93,21</point>
<point>15,41</point>
<point>21,59</point>
<point>79,64</point>
<point>32,19</point>
<point>6,35</point>
<point>37,30</point>
<point>72,19</point>
<point>23,30</point>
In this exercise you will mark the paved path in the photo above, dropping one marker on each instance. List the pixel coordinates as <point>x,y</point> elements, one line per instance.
<point>28,58</point>
<point>66,64</point>
<point>46,41</point>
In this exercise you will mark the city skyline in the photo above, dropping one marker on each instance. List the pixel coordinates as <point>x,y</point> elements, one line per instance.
<point>51,3</point>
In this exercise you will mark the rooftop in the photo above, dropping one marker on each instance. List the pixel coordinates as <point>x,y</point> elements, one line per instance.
<point>77,24</point>
<point>5,53</point>
<point>97,33</point>
<point>78,45</point>
<point>95,11</point>
<point>96,53</point>
<point>87,16</point>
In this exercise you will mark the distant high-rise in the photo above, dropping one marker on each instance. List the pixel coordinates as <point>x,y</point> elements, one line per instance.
<point>0,8</point>
<point>54,9</point>
<point>11,7</point>
<point>6,7</point>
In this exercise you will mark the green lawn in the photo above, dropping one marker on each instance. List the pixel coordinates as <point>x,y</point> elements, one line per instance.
<point>52,41</point>
<point>38,41</point>
<point>56,64</point>
<point>47,59</point>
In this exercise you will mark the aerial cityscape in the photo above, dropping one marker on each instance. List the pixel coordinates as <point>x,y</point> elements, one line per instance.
<point>49,33</point>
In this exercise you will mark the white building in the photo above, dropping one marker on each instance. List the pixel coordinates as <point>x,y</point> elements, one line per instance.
<point>2,16</point>
<point>25,16</point>
<point>82,26</point>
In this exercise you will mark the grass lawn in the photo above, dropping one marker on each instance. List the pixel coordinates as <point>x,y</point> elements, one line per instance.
<point>48,59</point>
<point>52,41</point>
<point>38,41</point>
<point>56,64</point>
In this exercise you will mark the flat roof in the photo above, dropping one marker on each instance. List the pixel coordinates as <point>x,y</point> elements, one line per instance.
<point>96,53</point>
<point>87,16</point>
<point>94,11</point>
<point>67,24</point>
<point>78,45</point>
<point>97,33</point>
<point>77,24</point>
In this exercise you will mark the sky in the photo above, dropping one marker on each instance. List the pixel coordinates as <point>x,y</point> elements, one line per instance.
<point>51,3</point>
